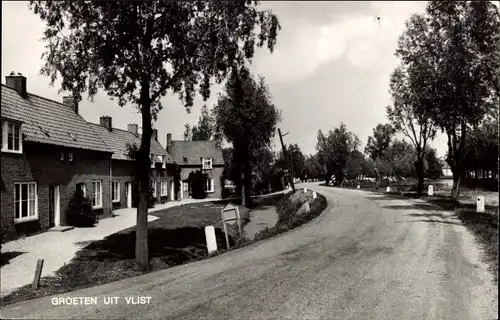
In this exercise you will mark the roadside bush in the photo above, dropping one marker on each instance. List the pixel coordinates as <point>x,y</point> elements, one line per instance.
<point>3,232</point>
<point>79,211</point>
<point>288,217</point>
<point>197,181</point>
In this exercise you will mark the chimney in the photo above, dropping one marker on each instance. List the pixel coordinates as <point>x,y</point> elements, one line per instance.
<point>18,83</point>
<point>155,134</point>
<point>106,122</point>
<point>70,102</point>
<point>169,140</point>
<point>132,127</point>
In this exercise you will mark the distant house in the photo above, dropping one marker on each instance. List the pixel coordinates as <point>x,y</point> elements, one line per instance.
<point>191,156</point>
<point>122,167</point>
<point>48,151</point>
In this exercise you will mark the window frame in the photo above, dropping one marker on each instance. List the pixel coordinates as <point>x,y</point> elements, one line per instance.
<point>117,184</point>
<point>155,188</point>
<point>70,156</point>
<point>204,161</point>
<point>163,187</point>
<point>97,205</point>
<point>29,217</point>
<point>5,136</point>
<point>152,158</point>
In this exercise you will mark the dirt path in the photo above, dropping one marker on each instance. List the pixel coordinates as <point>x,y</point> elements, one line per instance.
<point>261,218</point>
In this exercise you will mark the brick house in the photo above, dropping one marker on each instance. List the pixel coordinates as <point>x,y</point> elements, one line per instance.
<point>122,167</point>
<point>191,156</point>
<point>48,151</point>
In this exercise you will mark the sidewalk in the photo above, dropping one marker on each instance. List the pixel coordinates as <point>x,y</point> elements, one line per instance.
<point>58,248</point>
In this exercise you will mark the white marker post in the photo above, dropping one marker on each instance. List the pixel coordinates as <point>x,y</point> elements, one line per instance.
<point>480,204</point>
<point>430,192</point>
<point>314,195</point>
<point>231,215</point>
<point>305,190</point>
<point>211,240</point>
<point>388,189</point>
<point>358,186</point>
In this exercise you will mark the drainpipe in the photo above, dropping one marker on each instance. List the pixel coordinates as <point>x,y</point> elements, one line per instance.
<point>111,187</point>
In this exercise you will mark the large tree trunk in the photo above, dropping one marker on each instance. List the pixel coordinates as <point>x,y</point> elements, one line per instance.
<point>247,182</point>
<point>144,169</point>
<point>456,159</point>
<point>419,168</point>
<point>457,184</point>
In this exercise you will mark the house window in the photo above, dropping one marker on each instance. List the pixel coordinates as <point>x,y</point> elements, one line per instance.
<point>207,163</point>
<point>83,188</point>
<point>164,188</point>
<point>154,189</point>
<point>153,160</point>
<point>11,137</point>
<point>70,156</point>
<point>116,191</point>
<point>62,155</point>
<point>209,187</point>
<point>163,162</point>
<point>25,201</point>
<point>185,186</point>
<point>97,194</point>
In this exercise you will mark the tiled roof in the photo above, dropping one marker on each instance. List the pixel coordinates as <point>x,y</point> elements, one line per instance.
<point>50,122</point>
<point>193,151</point>
<point>118,139</point>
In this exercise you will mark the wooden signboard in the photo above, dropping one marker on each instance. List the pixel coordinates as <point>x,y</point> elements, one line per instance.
<point>231,215</point>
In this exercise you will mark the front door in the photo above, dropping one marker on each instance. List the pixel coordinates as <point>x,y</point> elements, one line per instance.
<point>128,194</point>
<point>172,191</point>
<point>54,206</point>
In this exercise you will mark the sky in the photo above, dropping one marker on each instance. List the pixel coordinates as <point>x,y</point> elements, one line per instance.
<point>331,64</point>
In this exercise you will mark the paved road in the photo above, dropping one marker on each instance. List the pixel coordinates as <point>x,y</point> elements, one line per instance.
<point>366,257</point>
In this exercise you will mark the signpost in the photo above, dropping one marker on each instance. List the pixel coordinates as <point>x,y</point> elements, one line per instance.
<point>231,215</point>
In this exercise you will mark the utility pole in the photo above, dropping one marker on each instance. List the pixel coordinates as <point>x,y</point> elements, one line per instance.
<point>285,155</point>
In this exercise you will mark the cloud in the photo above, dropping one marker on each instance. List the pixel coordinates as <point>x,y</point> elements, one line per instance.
<point>331,64</point>
<point>304,45</point>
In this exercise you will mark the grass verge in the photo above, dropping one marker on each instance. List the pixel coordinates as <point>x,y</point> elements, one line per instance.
<point>291,213</point>
<point>177,237</point>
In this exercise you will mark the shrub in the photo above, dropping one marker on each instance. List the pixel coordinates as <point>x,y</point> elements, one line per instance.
<point>79,211</point>
<point>197,181</point>
<point>288,217</point>
<point>3,232</point>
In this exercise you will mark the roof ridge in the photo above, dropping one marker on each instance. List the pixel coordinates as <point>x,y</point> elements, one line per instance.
<point>100,125</point>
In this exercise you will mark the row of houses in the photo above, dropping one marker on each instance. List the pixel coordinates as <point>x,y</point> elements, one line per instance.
<point>49,151</point>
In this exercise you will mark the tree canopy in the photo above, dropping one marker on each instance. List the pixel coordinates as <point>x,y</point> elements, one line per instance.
<point>138,51</point>
<point>246,117</point>
<point>334,151</point>
<point>205,128</point>
<point>458,43</point>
